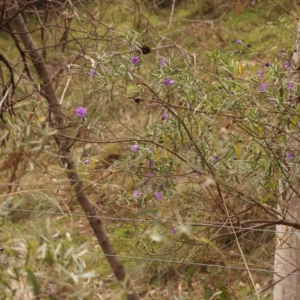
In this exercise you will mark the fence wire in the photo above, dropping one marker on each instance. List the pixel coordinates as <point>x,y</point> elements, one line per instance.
<point>153,220</point>
<point>166,260</point>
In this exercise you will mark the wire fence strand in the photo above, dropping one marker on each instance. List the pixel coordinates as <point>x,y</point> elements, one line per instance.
<point>193,263</point>
<point>165,260</point>
<point>153,220</point>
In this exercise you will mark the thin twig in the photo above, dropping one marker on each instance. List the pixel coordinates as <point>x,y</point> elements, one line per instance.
<point>171,14</point>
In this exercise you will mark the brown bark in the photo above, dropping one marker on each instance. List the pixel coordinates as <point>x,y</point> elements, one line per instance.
<point>64,153</point>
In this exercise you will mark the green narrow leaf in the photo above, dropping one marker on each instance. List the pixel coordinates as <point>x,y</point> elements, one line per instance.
<point>294,122</point>
<point>225,294</point>
<point>33,282</point>
<point>281,91</point>
<point>208,293</point>
<point>191,271</point>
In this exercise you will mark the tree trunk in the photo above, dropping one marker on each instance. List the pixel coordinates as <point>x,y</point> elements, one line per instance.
<point>287,256</point>
<point>64,153</point>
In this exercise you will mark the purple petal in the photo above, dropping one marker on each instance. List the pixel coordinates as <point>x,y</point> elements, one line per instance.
<point>159,196</point>
<point>287,65</point>
<point>93,72</point>
<point>135,60</point>
<point>137,194</point>
<point>169,81</point>
<point>290,86</point>
<point>81,112</point>
<point>263,87</point>
<point>163,63</point>
<point>149,175</point>
<point>165,117</point>
<point>135,148</point>
<point>161,186</point>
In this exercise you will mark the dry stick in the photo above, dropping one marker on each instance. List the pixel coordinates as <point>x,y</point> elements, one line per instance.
<point>65,155</point>
<point>171,15</point>
<point>67,85</point>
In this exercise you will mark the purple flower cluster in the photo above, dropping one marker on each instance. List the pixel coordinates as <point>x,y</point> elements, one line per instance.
<point>169,81</point>
<point>263,87</point>
<point>290,86</point>
<point>149,175</point>
<point>138,194</point>
<point>135,148</point>
<point>163,63</point>
<point>288,65</point>
<point>135,60</point>
<point>165,117</point>
<point>81,112</point>
<point>159,196</point>
<point>93,73</point>
<point>260,73</point>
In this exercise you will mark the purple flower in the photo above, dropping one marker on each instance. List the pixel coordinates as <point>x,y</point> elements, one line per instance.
<point>135,148</point>
<point>260,73</point>
<point>86,162</point>
<point>149,175</point>
<point>290,86</point>
<point>253,2</point>
<point>137,194</point>
<point>239,42</point>
<point>267,65</point>
<point>173,230</point>
<point>135,60</point>
<point>158,195</point>
<point>169,81</point>
<point>291,156</point>
<point>165,117</point>
<point>81,112</point>
<point>263,87</point>
<point>93,72</point>
<point>161,186</point>
<point>287,65</point>
<point>163,63</point>
<point>150,163</point>
<point>217,159</point>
